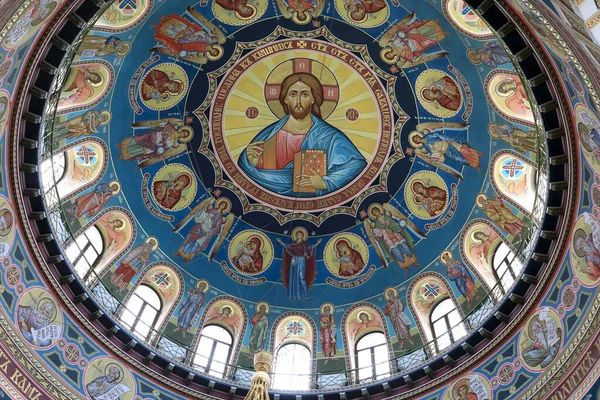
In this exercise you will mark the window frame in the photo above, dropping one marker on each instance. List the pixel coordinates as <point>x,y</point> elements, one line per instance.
<point>500,261</point>
<point>207,369</point>
<point>80,257</point>
<point>310,373</point>
<point>374,362</point>
<point>449,327</point>
<point>137,317</point>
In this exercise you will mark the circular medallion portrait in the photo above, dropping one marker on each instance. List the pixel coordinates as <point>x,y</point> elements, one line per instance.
<point>250,252</point>
<point>106,378</point>
<point>364,13</point>
<point>471,386</point>
<point>426,194</point>
<point>346,255</point>
<point>588,127</point>
<point>4,112</point>
<point>239,12</point>
<point>439,93</point>
<point>163,86</point>
<point>585,250</point>
<point>174,187</point>
<point>40,318</point>
<point>306,148</point>
<point>541,339</point>
<point>7,226</point>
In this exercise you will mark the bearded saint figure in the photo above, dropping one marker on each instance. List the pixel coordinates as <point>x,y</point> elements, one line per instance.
<point>90,204</point>
<point>269,158</point>
<point>327,330</point>
<point>394,309</point>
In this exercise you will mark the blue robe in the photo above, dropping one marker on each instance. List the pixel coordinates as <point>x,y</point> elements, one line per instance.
<point>461,279</point>
<point>452,154</point>
<point>344,161</point>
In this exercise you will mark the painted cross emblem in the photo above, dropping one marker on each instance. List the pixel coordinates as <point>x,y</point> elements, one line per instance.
<point>72,353</point>
<point>128,3</point>
<point>86,155</point>
<point>513,168</point>
<point>431,290</point>
<point>162,279</point>
<point>295,328</point>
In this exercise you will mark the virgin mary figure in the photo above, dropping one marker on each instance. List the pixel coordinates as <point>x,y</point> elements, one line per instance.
<point>298,268</point>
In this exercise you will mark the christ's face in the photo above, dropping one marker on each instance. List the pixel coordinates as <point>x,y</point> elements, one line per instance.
<point>299,100</point>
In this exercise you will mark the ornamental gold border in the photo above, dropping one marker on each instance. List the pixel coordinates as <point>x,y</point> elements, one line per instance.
<point>539,290</point>
<point>280,32</point>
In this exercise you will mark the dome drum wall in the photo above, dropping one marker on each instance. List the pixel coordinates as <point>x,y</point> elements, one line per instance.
<point>544,249</point>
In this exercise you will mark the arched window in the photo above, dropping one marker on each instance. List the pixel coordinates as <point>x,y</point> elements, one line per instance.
<point>446,324</point>
<point>52,171</point>
<point>292,367</point>
<point>213,350</point>
<point>84,252</point>
<point>506,266</point>
<point>372,357</point>
<point>141,312</point>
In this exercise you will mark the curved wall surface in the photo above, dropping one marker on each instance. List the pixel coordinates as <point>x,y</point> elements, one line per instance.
<point>543,342</point>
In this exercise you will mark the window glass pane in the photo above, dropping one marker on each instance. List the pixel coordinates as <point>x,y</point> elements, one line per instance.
<point>142,330</point>
<point>365,369</point>
<point>127,318</point>
<point>382,358</point>
<point>443,341</point>
<point>371,340</point>
<point>292,367</point>
<point>90,255</point>
<point>95,238</point>
<point>149,296</point>
<point>134,304</point>
<point>442,309</point>
<point>218,333</point>
<point>439,327</point>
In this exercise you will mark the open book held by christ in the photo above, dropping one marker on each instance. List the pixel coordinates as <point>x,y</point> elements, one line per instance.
<point>315,159</point>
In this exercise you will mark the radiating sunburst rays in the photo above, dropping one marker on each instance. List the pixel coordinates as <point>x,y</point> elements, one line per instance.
<point>354,93</point>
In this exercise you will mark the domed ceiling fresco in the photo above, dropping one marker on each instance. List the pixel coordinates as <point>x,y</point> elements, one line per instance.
<point>297,171</point>
<point>295,155</point>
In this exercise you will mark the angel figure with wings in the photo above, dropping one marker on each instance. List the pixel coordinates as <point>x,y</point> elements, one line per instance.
<point>405,43</point>
<point>301,11</point>
<point>197,41</point>
<point>82,87</point>
<point>432,144</point>
<point>158,141</point>
<point>213,219</point>
<point>387,228</point>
